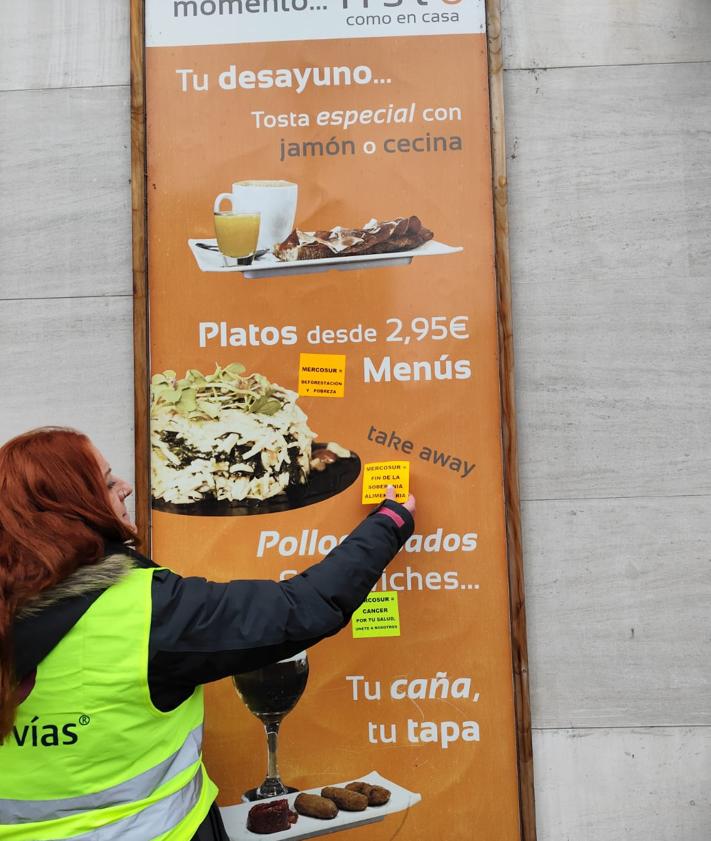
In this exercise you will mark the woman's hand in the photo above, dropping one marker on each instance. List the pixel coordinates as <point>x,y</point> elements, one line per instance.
<point>409,504</point>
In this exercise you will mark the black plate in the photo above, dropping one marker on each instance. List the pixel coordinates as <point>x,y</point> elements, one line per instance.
<point>321,485</point>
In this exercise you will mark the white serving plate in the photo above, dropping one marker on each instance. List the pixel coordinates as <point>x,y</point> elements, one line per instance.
<point>269,266</point>
<point>235,817</point>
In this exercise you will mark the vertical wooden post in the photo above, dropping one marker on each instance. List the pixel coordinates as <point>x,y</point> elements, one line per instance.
<point>140,277</point>
<point>519,645</point>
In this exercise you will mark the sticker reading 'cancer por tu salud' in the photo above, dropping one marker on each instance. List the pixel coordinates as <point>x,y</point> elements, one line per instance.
<point>377,475</point>
<point>322,374</point>
<point>378,616</point>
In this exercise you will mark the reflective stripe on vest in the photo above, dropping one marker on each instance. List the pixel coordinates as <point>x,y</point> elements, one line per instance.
<point>130,791</point>
<point>153,820</point>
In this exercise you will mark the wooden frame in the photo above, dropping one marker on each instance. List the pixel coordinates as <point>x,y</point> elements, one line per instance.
<point>141,354</point>
<point>506,369</point>
<point>514,550</point>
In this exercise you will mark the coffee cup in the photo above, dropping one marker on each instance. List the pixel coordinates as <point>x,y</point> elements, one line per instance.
<point>275,201</point>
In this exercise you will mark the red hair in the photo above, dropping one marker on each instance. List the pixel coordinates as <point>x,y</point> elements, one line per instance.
<point>55,516</point>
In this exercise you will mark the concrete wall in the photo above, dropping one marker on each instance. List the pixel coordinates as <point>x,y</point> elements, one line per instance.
<point>608,122</point>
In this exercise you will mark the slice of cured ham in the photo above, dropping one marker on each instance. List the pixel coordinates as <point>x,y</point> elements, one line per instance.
<point>401,234</point>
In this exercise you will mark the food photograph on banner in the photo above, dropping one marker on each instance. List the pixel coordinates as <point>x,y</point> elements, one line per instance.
<point>324,323</point>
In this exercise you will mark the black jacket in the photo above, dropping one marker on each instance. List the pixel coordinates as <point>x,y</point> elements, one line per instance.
<point>202,631</point>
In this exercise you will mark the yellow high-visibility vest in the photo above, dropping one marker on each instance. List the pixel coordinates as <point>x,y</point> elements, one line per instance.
<point>90,758</point>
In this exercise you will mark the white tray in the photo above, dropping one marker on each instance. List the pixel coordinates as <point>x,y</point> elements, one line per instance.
<point>235,817</point>
<point>269,266</point>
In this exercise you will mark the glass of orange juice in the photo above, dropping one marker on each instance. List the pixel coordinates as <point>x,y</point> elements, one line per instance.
<point>237,233</point>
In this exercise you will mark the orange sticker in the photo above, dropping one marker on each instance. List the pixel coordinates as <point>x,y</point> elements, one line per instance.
<point>322,374</point>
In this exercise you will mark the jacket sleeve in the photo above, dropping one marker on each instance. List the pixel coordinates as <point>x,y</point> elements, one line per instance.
<point>202,631</point>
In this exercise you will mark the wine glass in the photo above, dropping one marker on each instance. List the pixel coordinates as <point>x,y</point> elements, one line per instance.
<point>270,693</point>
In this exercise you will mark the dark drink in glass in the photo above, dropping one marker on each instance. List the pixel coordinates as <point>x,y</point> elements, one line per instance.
<point>270,693</point>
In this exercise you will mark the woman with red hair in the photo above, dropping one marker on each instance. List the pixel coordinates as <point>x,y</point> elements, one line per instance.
<point>103,654</point>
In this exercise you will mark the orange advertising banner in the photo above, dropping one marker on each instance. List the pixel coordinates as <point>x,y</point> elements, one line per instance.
<point>323,304</point>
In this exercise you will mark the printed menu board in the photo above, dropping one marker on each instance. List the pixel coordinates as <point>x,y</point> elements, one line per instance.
<point>323,323</point>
